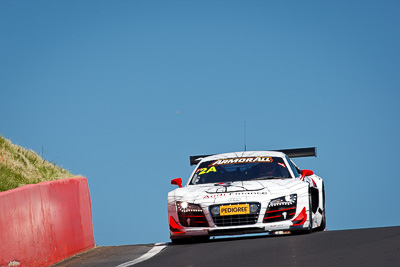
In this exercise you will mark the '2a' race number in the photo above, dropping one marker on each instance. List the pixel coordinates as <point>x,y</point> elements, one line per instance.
<point>206,170</point>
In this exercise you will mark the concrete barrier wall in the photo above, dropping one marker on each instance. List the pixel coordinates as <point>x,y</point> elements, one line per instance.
<point>44,223</point>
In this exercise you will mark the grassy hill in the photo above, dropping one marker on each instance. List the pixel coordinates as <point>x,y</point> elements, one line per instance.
<point>20,166</point>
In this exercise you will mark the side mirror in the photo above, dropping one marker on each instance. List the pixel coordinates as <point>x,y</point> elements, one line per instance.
<point>177,181</point>
<point>305,173</point>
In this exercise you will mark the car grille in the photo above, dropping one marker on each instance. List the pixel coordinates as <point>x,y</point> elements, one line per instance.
<point>235,220</point>
<point>279,213</point>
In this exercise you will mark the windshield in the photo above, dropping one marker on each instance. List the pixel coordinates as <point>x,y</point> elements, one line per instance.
<point>240,169</point>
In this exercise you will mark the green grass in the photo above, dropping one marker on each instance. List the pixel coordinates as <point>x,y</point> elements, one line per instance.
<point>20,166</point>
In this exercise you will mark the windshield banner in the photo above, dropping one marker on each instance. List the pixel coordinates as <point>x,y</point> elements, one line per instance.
<point>241,160</point>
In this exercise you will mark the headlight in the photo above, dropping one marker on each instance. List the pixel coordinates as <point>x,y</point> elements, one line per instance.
<point>190,215</point>
<point>283,201</point>
<point>184,206</point>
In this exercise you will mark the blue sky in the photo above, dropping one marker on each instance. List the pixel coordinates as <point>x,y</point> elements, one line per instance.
<point>123,92</point>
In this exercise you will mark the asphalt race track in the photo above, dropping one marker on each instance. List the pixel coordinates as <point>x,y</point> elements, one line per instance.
<point>360,247</point>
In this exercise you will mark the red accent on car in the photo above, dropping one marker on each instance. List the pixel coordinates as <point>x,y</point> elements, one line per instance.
<point>314,184</point>
<point>281,210</point>
<point>177,181</point>
<point>301,218</point>
<point>174,226</point>
<point>270,217</point>
<point>305,173</point>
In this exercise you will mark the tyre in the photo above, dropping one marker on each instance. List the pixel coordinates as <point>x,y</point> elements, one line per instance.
<point>201,239</point>
<point>310,217</point>
<point>323,222</point>
<point>309,229</point>
<point>178,241</point>
<point>196,239</point>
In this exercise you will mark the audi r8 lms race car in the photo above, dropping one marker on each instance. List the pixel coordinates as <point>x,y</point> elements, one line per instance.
<point>245,193</point>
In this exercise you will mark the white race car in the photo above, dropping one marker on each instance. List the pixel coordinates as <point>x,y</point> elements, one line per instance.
<point>244,193</point>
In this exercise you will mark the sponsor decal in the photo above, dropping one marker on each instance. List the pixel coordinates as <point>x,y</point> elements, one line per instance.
<point>248,193</point>
<point>234,209</point>
<point>214,196</point>
<point>235,194</point>
<point>241,160</point>
<point>282,164</point>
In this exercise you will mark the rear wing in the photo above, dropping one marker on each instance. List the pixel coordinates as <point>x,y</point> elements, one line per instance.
<point>300,152</point>
<point>291,153</point>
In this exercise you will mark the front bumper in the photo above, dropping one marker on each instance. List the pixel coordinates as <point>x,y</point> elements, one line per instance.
<point>268,219</point>
<point>259,227</point>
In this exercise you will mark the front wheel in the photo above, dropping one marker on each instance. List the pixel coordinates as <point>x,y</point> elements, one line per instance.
<point>178,241</point>
<point>309,229</point>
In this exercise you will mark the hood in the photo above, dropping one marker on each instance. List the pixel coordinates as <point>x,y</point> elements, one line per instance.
<point>222,192</point>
